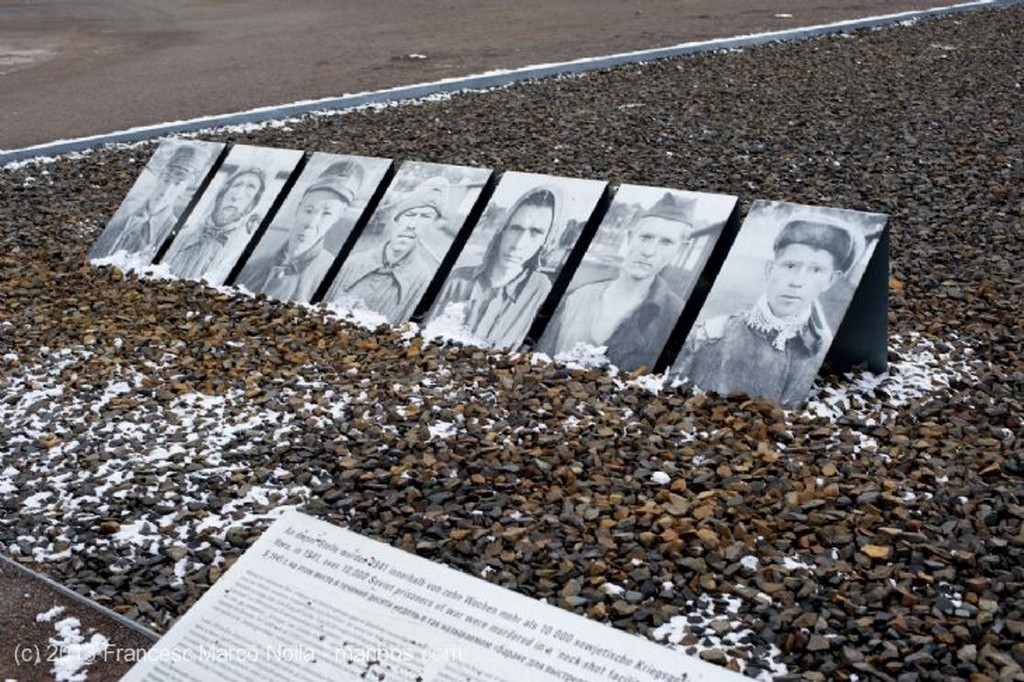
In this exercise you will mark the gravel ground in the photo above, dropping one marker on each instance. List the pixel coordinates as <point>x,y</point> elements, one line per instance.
<point>151,428</point>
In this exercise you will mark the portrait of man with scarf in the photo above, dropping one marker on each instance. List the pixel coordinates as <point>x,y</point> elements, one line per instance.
<point>774,348</point>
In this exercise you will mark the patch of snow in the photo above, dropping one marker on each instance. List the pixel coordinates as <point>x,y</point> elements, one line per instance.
<point>448,326</point>
<point>47,616</point>
<point>921,368</point>
<point>442,430</point>
<point>74,653</point>
<point>727,634</point>
<point>660,478</point>
<point>572,423</point>
<point>355,313</point>
<point>180,571</point>
<point>112,391</point>
<point>44,554</point>
<point>796,564</point>
<point>955,598</point>
<point>611,589</point>
<point>584,356</point>
<point>35,501</point>
<point>7,480</point>
<point>652,383</point>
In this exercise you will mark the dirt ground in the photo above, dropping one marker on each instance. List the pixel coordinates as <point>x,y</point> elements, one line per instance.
<point>70,69</point>
<point>26,650</point>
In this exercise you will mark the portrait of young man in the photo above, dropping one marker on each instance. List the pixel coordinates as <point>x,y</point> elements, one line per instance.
<point>229,213</point>
<point>398,255</point>
<point>390,277</point>
<point>499,295</point>
<point>637,275</point>
<point>499,282</point>
<point>292,269</point>
<point>155,203</point>
<point>774,347</point>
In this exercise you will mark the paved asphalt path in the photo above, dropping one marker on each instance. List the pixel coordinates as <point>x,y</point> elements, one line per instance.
<point>73,68</point>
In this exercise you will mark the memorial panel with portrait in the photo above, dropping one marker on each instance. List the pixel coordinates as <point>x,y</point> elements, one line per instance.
<point>514,255</point>
<point>397,256</point>
<point>781,294</point>
<point>155,204</point>
<point>636,275</point>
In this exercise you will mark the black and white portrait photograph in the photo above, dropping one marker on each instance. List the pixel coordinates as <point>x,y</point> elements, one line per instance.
<point>637,274</point>
<point>399,253</point>
<point>156,201</point>
<point>320,212</point>
<point>516,251</point>
<point>229,212</point>
<point>779,298</point>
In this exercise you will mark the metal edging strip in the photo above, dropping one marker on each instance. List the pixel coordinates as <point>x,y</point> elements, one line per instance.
<point>82,599</point>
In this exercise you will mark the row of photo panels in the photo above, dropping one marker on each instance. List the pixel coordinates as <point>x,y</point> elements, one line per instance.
<point>564,264</point>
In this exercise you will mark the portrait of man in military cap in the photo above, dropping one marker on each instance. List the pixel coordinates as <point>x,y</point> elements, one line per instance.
<point>229,212</point>
<point>301,244</point>
<point>155,203</point>
<point>775,345</point>
<point>393,264</point>
<point>637,274</point>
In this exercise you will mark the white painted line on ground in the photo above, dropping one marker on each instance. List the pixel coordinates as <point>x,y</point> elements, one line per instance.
<point>482,81</point>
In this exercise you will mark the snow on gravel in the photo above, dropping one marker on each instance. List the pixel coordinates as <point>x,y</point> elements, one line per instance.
<point>170,454</point>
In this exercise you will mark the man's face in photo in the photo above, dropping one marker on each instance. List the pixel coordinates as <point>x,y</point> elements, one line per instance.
<point>525,234</point>
<point>237,199</point>
<point>653,243</point>
<point>797,276</point>
<point>316,213</point>
<point>405,229</point>
<point>174,180</point>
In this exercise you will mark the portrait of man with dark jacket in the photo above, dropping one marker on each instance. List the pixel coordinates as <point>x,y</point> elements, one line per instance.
<point>390,275</point>
<point>632,312</point>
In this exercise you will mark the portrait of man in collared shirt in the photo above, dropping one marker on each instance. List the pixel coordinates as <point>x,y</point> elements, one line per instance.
<point>636,276</point>
<point>499,296</point>
<point>394,262</point>
<point>155,203</point>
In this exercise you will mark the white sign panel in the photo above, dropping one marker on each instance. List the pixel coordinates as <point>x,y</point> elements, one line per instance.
<point>314,602</point>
